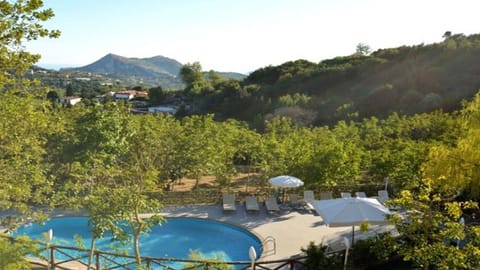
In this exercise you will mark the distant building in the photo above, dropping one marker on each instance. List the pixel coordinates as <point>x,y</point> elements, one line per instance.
<point>84,79</point>
<point>69,100</point>
<point>162,109</point>
<point>141,94</point>
<point>104,97</point>
<point>124,95</point>
<point>129,95</point>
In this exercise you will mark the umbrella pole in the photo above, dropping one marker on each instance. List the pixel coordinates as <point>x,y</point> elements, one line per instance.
<point>353,234</point>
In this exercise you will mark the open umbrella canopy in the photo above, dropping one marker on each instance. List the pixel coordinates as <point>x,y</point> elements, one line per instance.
<point>351,211</point>
<point>285,181</point>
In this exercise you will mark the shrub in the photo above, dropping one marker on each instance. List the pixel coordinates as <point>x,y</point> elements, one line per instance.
<point>374,251</point>
<point>318,259</point>
<point>12,254</point>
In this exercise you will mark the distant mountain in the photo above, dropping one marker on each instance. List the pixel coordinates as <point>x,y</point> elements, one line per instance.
<point>232,75</point>
<point>143,67</point>
<point>153,71</point>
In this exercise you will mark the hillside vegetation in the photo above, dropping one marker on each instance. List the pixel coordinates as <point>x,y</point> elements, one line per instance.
<point>116,165</point>
<point>406,80</point>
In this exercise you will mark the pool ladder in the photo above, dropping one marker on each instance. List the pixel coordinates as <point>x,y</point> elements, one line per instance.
<point>269,245</point>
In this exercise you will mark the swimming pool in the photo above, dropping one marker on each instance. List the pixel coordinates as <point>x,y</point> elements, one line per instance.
<point>176,238</point>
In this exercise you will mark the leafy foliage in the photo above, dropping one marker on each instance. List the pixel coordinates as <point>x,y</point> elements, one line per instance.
<point>12,253</point>
<point>318,259</point>
<point>24,134</point>
<point>431,230</point>
<point>20,22</point>
<point>110,162</point>
<point>217,262</point>
<point>375,251</point>
<point>404,80</point>
<point>456,168</point>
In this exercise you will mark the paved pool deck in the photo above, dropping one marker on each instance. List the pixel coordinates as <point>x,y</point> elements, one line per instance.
<point>292,229</point>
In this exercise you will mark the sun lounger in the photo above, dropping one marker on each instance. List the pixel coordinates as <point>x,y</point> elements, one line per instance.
<point>294,201</point>
<point>326,195</point>
<point>229,202</point>
<point>271,204</point>
<point>346,194</point>
<point>308,196</point>
<point>382,196</point>
<point>251,203</point>
<point>360,194</point>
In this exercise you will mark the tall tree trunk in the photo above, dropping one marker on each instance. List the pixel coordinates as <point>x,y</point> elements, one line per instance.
<point>197,182</point>
<point>92,248</point>
<point>136,249</point>
<point>136,235</point>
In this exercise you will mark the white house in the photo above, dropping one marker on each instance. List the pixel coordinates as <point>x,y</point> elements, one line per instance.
<point>129,94</point>
<point>69,100</point>
<point>124,95</point>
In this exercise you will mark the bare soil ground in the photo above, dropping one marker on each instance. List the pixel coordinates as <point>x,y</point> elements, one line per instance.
<point>242,182</point>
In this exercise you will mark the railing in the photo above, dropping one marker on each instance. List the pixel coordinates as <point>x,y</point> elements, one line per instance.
<point>189,197</point>
<point>270,246</point>
<point>74,258</point>
<point>206,196</point>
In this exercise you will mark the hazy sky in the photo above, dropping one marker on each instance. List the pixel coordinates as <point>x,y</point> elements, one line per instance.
<point>244,35</point>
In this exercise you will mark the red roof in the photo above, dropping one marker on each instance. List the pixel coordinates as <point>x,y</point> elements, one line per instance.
<point>133,92</point>
<point>127,92</point>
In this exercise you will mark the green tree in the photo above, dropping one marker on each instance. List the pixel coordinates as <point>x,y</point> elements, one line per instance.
<point>217,262</point>
<point>138,181</point>
<point>335,157</point>
<point>156,95</point>
<point>26,125</point>
<point>101,141</point>
<point>235,142</point>
<point>318,259</point>
<point>52,95</point>
<point>214,78</point>
<point>363,49</point>
<point>70,90</point>
<point>455,168</point>
<point>398,146</point>
<point>199,147</point>
<point>20,23</point>
<point>275,155</point>
<point>447,35</point>
<point>192,76</point>
<point>12,254</point>
<point>24,133</point>
<point>430,230</point>
<point>115,171</point>
<point>296,99</point>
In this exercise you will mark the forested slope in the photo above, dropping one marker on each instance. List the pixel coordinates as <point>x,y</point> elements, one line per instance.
<point>406,80</point>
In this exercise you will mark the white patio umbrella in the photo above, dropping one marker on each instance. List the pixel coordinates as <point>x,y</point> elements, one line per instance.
<point>351,212</point>
<point>285,181</point>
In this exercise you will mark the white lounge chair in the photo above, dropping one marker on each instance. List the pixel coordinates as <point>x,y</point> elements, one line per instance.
<point>229,202</point>
<point>382,196</point>
<point>326,195</point>
<point>346,195</point>
<point>360,194</point>
<point>271,204</point>
<point>308,196</point>
<point>294,200</point>
<point>251,203</point>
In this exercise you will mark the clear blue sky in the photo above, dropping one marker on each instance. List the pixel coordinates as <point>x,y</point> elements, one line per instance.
<point>244,35</point>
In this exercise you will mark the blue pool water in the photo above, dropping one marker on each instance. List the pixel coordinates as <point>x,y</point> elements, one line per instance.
<point>175,238</point>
